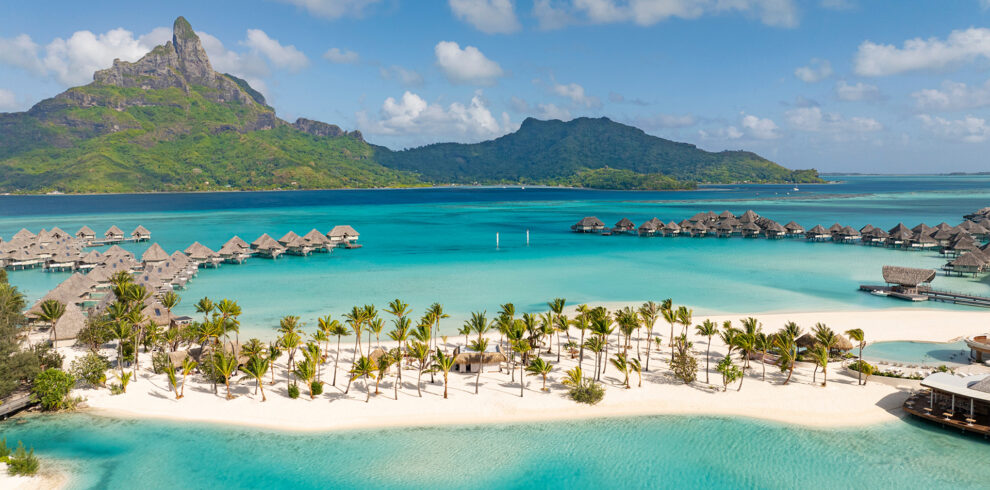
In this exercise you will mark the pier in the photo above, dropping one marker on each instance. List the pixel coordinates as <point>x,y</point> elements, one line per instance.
<point>16,404</point>
<point>913,285</point>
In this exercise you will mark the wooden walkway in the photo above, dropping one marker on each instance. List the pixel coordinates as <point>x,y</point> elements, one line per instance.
<point>14,405</point>
<point>927,294</point>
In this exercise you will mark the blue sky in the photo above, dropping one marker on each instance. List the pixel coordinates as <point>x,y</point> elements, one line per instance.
<point>839,85</point>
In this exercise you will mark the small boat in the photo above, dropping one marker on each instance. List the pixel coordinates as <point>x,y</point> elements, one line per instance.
<point>796,189</point>
<point>879,292</point>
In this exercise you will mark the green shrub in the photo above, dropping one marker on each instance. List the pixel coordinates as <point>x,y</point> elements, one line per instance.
<point>52,387</point>
<point>587,392</point>
<point>293,391</point>
<point>4,450</point>
<point>160,362</point>
<point>48,358</point>
<point>91,368</point>
<point>317,388</point>
<point>22,462</point>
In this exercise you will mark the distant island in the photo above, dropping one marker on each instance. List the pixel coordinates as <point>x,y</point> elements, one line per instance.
<point>169,122</point>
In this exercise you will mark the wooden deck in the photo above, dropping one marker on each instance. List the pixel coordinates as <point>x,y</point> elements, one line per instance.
<point>14,405</point>
<point>928,294</point>
<point>918,405</point>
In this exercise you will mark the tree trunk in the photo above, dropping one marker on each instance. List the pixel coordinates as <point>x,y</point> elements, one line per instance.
<point>649,348</point>
<point>763,363</point>
<point>708,359</point>
<point>477,381</point>
<point>367,388</point>
<point>336,357</point>
<point>263,398</point>
<point>445,385</point>
<point>581,358</point>
<point>522,382</point>
<point>860,380</point>
<point>419,383</point>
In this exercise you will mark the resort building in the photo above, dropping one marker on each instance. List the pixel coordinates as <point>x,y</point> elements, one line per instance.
<point>467,360</point>
<point>86,233</point>
<point>589,224</point>
<point>317,241</point>
<point>266,246</point>
<point>343,236</point>
<point>154,255</point>
<point>203,256</point>
<point>624,225</point>
<point>959,402</point>
<point>114,235</point>
<point>235,251</point>
<point>295,244</point>
<point>906,280</point>
<point>979,348</point>
<point>141,234</point>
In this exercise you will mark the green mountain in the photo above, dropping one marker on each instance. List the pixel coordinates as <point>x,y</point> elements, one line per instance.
<point>589,152</point>
<point>169,122</point>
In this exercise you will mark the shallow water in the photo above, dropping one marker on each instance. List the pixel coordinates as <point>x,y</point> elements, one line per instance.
<point>643,452</point>
<point>926,353</point>
<point>426,245</point>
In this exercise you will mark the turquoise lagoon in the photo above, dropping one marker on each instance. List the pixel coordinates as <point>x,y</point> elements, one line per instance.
<point>426,245</point>
<point>642,452</point>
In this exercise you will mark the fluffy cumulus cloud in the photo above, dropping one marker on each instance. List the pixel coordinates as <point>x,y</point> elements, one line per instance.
<point>332,9</point>
<point>467,66</point>
<point>961,46</point>
<point>856,92</point>
<point>405,76</point>
<point>343,56</point>
<point>813,119</point>
<point>412,116</point>
<point>759,128</point>
<point>576,94</point>
<point>73,60</point>
<point>554,14</point>
<point>488,16</point>
<point>816,71</point>
<point>970,129</point>
<point>7,101</point>
<point>953,96</point>
<point>287,57</point>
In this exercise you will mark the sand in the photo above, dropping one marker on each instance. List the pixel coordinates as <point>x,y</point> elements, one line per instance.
<point>841,403</point>
<point>46,479</point>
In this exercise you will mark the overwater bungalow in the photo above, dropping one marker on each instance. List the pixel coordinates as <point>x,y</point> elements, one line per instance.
<point>818,233</point>
<point>234,252</point>
<point>22,259</point>
<point>44,238</point>
<point>698,229</point>
<point>847,234</point>
<point>345,236</point>
<point>922,241</point>
<point>202,255</point>
<point>116,251</point>
<point>957,402</point>
<point>296,245</point>
<point>90,260</point>
<point>749,230</point>
<point>86,234</point>
<point>906,280</point>
<point>774,230</point>
<point>671,229</point>
<point>648,228</point>
<point>266,246</point>
<point>154,254</point>
<point>726,215</point>
<point>24,234</point>
<point>624,225</point>
<point>899,236</point>
<point>589,224</point>
<point>288,237</point>
<point>141,234</point>
<point>876,237</point>
<point>794,229</point>
<point>979,215</point>
<point>724,229</point>
<point>968,263</point>
<point>63,260</point>
<point>114,235</point>
<point>317,241</point>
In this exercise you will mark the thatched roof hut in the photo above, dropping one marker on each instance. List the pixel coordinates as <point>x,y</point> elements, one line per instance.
<point>907,276</point>
<point>114,233</point>
<point>794,228</point>
<point>749,216</point>
<point>315,238</point>
<point>648,228</point>
<point>843,343</point>
<point>237,241</point>
<point>288,237</point>
<point>155,253</point>
<point>346,233</point>
<point>624,225</point>
<point>806,341</point>
<point>587,224</point>
<point>86,233</point>
<point>141,233</point>
<point>24,234</point>
<point>199,252</point>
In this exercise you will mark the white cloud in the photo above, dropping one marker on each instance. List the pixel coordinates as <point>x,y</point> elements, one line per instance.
<point>337,55</point>
<point>782,13</point>
<point>404,76</point>
<point>287,57</point>
<point>21,52</point>
<point>468,65</point>
<point>875,60</point>
<point>665,121</point>
<point>7,101</point>
<point>576,94</point>
<point>816,71</point>
<point>250,65</point>
<point>540,111</point>
<point>759,128</point>
<point>813,119</point>
<point>858,91</point>
<point>969,129</point>
<point>551,15</point>
<point>413,116</point>
<point>727,133</point>
<point>333,9</point>
<point>953,96</point>
<point>488,16</point>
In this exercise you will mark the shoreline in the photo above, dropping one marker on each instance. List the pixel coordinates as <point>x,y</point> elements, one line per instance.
<point>801,403</point>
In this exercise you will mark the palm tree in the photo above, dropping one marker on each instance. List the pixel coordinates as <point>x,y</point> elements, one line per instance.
<point>376,325</point>
<point>225,364</point>
<point>170,300</point>
<point>744,342</point>
<point>601,326</point>
<point>205,306</point>
<point>596,344</point>
<point>820,355</point>
<point>557,308</point>
<point>385,362</point>
<point>539,367</point>
<point>522,347</point>
<point>622,364</point>
<point>582,323</point>
<point>436,314</point>
<point>188,365</point>
<point>443,362</point>
<point>256,368</point>
<point>419,351</point>
<point>708,329</point>
<point>762,343</point>
<point>826,337</point>
<point>648,314</point>
<point>684,317</point>
<point>860,338</point>
<point>51,312</point>
<point>338,329</point>
<point>274,352</point>
<point>400,334</point>
<point>363,367</point>
<point>575,377</point>
<point>122,331</point>
<point>787,346</point>
<point>637,367</point>
<point>628,321</point>
<point>398,309</point>
<point>670,316</point>
<point>253,348</point>
<point>290,341</point>
<point>317,339</point>
<point>479,346</point>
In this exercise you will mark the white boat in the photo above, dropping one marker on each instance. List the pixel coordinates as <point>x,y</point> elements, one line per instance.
<point>879,292</point>
<point>795,188</point>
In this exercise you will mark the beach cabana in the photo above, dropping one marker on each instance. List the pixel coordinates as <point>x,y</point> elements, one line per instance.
<point>235,251</point>
<point>297,246</point>
<point>470,361</point>
<point>847,234</point>
<point>589,224</point>
<point>671,229</point>
<point>774,230</point>
<point>794,229</point>
<point>750,230</point>
<point>968,263</point>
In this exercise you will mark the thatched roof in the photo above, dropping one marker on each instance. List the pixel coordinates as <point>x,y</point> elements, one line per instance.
<point>155,253</point>
<point>818,230</point>
<point>265,242</point>
<point>806,341</point>
<point>288,237</point>
<point>586,222</point>
<point>867,230</point>
<point>848,231</point>
<point>93,257</point>
<point>794,227</point>
<point>624,224</point>
<point>726,214</point>
<point>376,354</point>
<point>748,217</point>
<point>648,226</point>
<point>345,231</point>
<point>475,358</point>
<point>314,237</point>
<point>982,385</point>
<point>921,228</point>
<point>198,251</point>
<point>968,259</point>
<point>237,242</point>
<point>71,323</point>
<point>24,234</point>
<point>775,226</point>
<point>85,231</point>
<point>907,276</point>
<point>140,231</point>
<point>843,343</point>
<point>114,231</point>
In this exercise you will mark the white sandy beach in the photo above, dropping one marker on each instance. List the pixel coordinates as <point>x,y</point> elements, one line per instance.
<point>46,479</point>
<point>841,403</point>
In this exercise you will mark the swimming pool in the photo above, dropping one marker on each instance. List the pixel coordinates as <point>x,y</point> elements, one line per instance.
<point>923,353</point>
